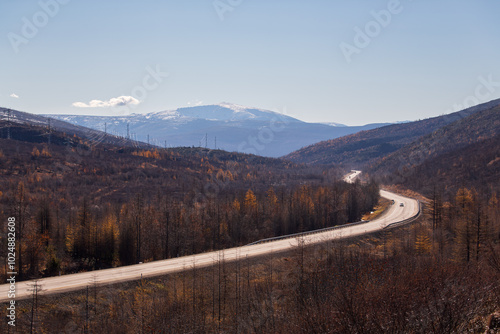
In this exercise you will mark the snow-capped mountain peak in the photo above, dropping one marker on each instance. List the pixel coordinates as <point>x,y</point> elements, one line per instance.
<point>232,106</point>
<point>223,111</point>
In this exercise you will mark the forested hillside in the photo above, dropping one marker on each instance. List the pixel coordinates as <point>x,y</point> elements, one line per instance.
<point>81,205</point>
<point>464,153</point>
<point>16,125</point>
<point>366,147</point>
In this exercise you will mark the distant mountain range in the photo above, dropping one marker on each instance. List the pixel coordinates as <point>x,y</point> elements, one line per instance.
<point>224,126</point>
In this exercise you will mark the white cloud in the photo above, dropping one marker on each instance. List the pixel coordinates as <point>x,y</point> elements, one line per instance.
<point>14,96</point>
<point>119,101</point>
<point>80,105</point>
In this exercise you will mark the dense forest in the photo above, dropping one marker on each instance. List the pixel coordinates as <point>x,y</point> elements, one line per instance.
<point>81,206</point>
<point>439,275</point>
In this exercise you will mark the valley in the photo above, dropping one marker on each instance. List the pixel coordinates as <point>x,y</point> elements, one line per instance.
<point>145,214</point>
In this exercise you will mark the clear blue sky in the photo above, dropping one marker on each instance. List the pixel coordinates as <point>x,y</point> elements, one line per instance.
<point>272,54</point>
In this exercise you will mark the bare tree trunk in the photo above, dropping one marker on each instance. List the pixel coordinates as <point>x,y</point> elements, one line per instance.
<point>478,230</point>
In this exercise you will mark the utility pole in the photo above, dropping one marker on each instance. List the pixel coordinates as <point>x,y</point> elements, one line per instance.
<point>49,129</point>
<point>215,142</point>
<point>34,305</point>
<point>86,328</point>
<point>105,128</point>
<point>8,123</point>
<point>128,131</point>
<point>165,144</point>
<point>206,140</point>
<point>148,139</point>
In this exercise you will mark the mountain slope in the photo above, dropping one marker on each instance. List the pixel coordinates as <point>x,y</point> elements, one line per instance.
<point>474,166</point>
<point>226,126</point>
<point>358,150</point>
<point>477,127</point>
<point>38,128</point>
<point>464,153</point>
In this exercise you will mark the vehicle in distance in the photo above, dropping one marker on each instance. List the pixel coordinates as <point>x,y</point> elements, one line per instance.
<point>401,204</point>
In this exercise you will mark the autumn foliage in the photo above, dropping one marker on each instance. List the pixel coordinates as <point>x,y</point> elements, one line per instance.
<point>82,208</point>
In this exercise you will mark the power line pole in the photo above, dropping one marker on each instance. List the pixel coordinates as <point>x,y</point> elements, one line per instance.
<point>34,305</point>
<point>8,123</point>
<point>49,128</point>
<point>206,140</point>
<point>128,131</point>
<point>215,146</point>
<point>86,328</point>
<point>105,128</point>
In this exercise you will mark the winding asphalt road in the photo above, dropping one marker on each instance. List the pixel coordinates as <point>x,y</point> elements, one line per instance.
<point>395,213</point>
